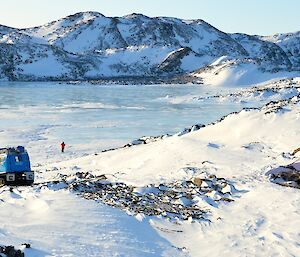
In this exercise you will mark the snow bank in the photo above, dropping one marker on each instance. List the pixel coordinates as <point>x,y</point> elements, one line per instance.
<point>57,223</point>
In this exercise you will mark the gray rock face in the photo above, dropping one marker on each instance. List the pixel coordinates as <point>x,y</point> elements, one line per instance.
<point>271,56</point>
<point>173,61</point>
<point>290,43</point>
<point>89,45</point>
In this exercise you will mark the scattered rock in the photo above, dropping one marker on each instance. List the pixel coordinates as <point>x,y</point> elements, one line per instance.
<point>146,140</point>
<point>174,201</point>
<point>26,245</point>
<point>190,129</point>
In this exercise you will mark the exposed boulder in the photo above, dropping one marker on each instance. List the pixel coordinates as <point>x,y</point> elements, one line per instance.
<point>286,175</point>
<point>10,251</point>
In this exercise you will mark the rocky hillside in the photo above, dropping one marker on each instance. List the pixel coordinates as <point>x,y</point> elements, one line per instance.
<point>89,45</point>
<point>290,43</point>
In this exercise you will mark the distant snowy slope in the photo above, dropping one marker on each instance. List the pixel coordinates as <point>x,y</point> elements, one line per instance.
<point>89,45</point>
<point>90,31</point>
<point>267,53</point>
<point>242,72</point>
<point>5,30</point>
<point>290,43</point>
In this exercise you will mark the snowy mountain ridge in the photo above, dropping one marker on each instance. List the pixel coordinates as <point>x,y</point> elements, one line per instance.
<point>89,45</point>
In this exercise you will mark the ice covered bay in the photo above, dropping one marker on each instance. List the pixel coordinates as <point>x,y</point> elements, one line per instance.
<point>90,118</point>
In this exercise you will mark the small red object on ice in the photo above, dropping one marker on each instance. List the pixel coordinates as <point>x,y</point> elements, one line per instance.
<point>62,146</point>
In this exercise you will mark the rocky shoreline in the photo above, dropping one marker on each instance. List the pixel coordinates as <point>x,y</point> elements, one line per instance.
<point>139,80</point>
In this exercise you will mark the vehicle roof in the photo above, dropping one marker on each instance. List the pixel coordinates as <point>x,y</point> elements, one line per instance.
<point>12,150</point>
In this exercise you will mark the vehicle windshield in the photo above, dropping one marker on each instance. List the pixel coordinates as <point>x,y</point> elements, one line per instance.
<point>2,158</point>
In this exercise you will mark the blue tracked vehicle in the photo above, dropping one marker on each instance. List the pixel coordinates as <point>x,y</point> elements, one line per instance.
<point>15,167</point>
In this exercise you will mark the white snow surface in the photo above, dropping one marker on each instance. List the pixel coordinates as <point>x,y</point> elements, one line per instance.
<point>62,224</point>
<point>232,74</point>
<point>48,66</point>
<point>263,220</point>
<point>130,61</point>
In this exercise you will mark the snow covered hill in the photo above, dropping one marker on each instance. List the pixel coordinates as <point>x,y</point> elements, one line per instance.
<point>89,45</point>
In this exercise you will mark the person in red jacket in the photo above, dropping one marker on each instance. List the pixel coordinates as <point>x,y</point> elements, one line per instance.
<point>62,146</point>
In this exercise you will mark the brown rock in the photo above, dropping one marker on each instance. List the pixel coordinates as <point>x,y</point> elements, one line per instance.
<point>197,181</point>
